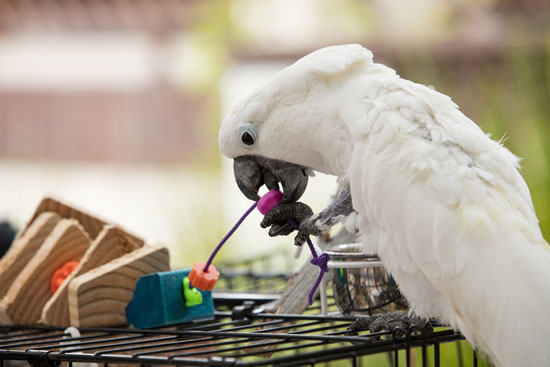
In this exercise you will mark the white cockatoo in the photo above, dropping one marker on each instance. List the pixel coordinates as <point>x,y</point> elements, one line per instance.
<point>439,202</point>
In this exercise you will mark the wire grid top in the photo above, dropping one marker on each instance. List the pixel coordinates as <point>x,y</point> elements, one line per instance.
<point>257,340</point>
<point>239,335</point>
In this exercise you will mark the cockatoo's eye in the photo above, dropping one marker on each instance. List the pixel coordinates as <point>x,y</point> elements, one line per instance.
<point>247,139</point>
<point>247,134</point>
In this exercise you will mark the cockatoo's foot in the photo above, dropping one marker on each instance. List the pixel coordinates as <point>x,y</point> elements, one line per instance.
<point>307,228</point>
<point>298,212</point>
<point>399,323</point>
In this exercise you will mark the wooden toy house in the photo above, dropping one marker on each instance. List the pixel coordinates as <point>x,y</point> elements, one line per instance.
<point>107,262</point>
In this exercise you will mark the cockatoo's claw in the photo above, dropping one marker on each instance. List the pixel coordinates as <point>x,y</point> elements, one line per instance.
<point>398,323</point>
<point>300,238</point>
<point>298,212</point>
<point>280,229</point>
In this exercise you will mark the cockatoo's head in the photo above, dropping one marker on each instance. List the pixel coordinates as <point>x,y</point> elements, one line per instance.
<point>272,134</point>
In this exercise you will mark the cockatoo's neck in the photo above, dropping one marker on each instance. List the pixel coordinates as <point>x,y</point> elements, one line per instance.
<point>328,149</point>
<point>323,154</point>
<point>324,144</point>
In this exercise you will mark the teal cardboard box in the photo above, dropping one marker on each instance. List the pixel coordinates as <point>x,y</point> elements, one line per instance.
<point>158,301</point>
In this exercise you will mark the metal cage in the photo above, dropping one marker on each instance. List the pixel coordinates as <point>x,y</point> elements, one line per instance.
<point>241,334</point>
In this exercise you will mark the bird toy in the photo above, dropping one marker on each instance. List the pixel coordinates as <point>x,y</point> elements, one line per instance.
<point>204,275</point>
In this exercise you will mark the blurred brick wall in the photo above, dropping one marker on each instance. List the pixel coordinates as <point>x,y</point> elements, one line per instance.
<point>159,124</point>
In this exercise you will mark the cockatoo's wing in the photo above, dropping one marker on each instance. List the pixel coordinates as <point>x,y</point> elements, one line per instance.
<point>449,208</point>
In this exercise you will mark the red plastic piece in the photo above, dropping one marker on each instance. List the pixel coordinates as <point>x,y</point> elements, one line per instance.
<point>61,274</point>
<point>270,200</point>
<point>200,279</point>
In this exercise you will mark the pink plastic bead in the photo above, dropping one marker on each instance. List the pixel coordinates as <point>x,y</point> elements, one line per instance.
<point>269,201</point>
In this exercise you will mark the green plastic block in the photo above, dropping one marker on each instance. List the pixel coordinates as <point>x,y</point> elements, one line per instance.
<point>192,295</point>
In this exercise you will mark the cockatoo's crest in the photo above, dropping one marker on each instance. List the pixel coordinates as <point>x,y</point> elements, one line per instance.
<point>334,59</point>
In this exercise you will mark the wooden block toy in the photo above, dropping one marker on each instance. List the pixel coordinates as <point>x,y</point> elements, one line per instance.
<point>159,301</point>
<point>69,267</point>
<point>24,248</point>
<point>110,244</point>
<point>92,224</point>
<point>30,290</point>
<point>99,296</point>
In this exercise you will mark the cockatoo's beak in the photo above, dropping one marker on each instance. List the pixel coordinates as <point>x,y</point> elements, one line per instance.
<point>252,172</point>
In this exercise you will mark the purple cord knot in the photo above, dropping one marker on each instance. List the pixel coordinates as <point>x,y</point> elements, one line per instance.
<point>321,262</point>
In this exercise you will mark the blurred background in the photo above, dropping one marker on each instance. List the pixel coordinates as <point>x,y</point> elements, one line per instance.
<point>114,105</point>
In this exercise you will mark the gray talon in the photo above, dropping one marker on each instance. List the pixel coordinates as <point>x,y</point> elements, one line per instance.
<point>280,229</point>
<point>391,321</point>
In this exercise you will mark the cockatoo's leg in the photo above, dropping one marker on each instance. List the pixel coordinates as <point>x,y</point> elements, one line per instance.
<point>390,321</point>
<point>309,224</point>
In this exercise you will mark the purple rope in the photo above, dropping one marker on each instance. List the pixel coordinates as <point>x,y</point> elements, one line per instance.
<point>320,261</point>
<point>239,222</point>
